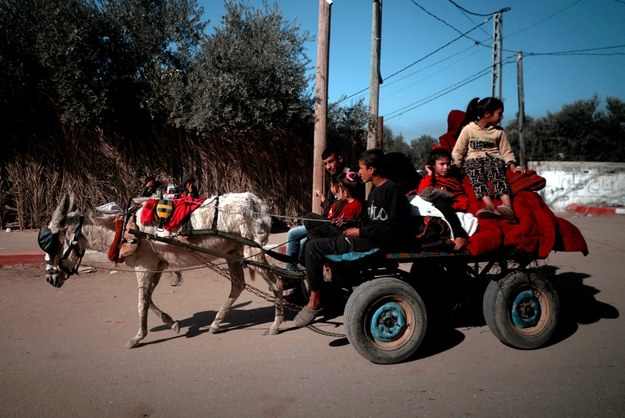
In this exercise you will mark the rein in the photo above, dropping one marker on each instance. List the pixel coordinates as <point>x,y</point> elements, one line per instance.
<point>73,248</point>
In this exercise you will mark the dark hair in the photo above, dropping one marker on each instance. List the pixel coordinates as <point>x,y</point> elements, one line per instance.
<point>375,158</point>
<point>477,108</point>
<point>331,151</point>
<point>351,182</point>
<point>436,154</point>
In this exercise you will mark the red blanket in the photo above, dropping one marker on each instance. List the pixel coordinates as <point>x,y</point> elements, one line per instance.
<point>539,230</point>
<point>182,208</point>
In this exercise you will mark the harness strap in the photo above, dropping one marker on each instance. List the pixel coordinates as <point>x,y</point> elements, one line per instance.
<point>73,247</point>
<point>233,237</point>
<point>216,213</point>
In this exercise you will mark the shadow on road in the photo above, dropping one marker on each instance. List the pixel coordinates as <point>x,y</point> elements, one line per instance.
<point>238,318</point>
<point>578,304</point>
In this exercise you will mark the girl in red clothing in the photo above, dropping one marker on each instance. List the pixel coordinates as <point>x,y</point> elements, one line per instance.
<point>444,190</point>
<point>348,212</point>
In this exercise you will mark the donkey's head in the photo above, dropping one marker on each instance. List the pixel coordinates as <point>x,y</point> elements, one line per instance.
<point>63,242</point>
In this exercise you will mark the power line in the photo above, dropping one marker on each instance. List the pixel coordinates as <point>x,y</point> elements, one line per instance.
<point>482,73</point>
<point>445,23</point>
<point>385,86</point>
<point>505,9</point>
<point>417,61</point>
<point>485,71</point>
<point>442,92</point>
<point>430,66</point>
<point>545,19</point>
<point>581,51</point>
<point>436,50</point>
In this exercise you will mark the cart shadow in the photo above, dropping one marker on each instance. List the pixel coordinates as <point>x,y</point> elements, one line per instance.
<point>578,303</point>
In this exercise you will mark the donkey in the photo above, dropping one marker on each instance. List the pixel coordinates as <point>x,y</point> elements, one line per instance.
<point>243,215</point>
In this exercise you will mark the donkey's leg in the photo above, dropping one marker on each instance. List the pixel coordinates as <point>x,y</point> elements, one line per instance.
<point>237,285</point>
<point>174,325</point>
<point>276,285</point>
<point>145,288</point>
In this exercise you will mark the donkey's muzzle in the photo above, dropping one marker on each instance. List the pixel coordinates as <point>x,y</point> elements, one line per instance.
<point>55,277</point>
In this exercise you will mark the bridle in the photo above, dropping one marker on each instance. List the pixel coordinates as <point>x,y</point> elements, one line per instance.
<point>49,241</point>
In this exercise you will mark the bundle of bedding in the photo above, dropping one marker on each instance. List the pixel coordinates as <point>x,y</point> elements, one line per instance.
<point>538,232</point>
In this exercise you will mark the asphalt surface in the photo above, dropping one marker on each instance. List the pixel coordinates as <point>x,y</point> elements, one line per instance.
<point>63,351</point>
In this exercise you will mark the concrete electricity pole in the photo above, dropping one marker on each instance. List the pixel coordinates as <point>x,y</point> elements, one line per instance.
<point>497,49</point>
<point>521,94</point>
<point>321,100</point>
<point>375,78</point>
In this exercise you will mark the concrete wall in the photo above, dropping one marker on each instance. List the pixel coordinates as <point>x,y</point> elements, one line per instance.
<point>582,183</point>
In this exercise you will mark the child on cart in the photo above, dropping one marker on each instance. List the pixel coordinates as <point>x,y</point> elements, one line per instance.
<point>385,225</point>
<point>484,152</point>
<point>443,189</point>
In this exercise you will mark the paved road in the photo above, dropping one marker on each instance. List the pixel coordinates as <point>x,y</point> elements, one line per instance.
<point>63,353</point>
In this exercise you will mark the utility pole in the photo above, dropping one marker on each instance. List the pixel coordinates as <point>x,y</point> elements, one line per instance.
<point>521,94</point>
<point>321,100</point>
<point>497,50</point>
<point>375,78</point>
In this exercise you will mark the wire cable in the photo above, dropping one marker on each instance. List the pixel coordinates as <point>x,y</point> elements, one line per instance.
<point>505,9</point>
<point>445,91</point>
<point>415,62</point>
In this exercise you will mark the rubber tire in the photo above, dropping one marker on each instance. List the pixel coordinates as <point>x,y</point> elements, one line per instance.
<point>501,307</point>
<point>366,303</point>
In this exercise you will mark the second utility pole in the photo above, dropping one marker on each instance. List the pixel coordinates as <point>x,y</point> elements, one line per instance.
<point>375,78</point>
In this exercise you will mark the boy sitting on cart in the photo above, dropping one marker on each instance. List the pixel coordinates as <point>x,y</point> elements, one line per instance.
<point>386,225</point>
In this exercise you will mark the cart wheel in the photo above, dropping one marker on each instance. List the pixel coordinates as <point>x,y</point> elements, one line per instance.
<point>385,320</point>
<point>522,309</point>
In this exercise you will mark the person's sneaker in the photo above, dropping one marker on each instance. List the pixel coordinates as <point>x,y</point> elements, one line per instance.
<point>507,214</point>
<point>488,213</point>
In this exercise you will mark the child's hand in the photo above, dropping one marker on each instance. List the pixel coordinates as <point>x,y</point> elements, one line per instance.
<point>517,169</point>
<point>340,221</point>
<point>428,169</point>
<point>352,232</point>
<point>318,194</point>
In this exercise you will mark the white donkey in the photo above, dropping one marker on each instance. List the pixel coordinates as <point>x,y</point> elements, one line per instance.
<point>244,215</point>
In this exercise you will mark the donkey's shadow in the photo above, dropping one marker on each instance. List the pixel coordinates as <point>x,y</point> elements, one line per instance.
<point>238,318</point>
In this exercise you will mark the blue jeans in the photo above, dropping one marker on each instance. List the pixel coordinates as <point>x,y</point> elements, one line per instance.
<point>296,238</point>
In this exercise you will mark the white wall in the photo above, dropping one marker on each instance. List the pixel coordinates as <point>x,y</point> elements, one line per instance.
<point>582,183</point>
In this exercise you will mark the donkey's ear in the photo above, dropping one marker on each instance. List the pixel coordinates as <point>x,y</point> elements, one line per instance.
<point>72,203</point>
<point>59,214</point>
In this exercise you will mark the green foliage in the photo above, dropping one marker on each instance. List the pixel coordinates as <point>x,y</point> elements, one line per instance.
<point>578,132</point>
<point>347,128</point>
<point>417,151</point>
<point>249,75</point>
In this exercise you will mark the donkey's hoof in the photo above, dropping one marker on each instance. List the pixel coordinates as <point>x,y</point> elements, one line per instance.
<point>213,330</point>
<point>132,343</point>
<point>273,331</point>
<point>176,327</point>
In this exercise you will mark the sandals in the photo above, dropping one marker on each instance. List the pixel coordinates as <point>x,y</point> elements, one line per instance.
<point>305,317</point>
<point>488,213</point>
<point>507,214</point>
<point>503,212</point>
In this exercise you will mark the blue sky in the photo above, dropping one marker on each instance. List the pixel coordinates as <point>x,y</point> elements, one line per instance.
<point>412,102</point>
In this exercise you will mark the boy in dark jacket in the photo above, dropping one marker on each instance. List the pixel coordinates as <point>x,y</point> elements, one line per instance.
<point>385,225</point>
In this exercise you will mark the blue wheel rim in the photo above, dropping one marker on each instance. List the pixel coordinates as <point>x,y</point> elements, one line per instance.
<point>526,309</point>
<point>388,322</point>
